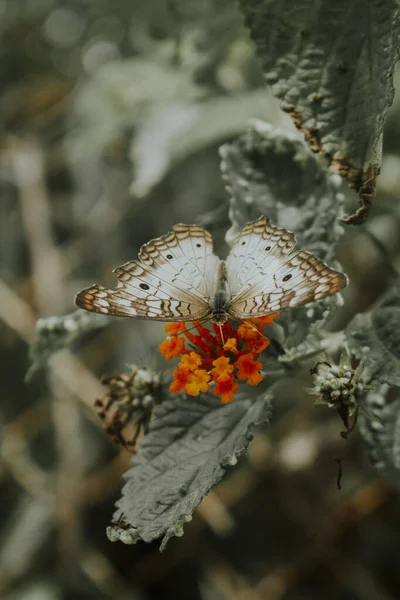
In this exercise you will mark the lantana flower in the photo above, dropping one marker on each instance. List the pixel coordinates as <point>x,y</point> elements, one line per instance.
<point>172,347</point>
<point>216,357</point>
<point>249,369</point>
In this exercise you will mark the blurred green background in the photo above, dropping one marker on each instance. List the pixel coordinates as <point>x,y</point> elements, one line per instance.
<point>112,113</point>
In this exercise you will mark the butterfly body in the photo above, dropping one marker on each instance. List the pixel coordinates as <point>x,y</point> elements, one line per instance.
<point>220,299</point>
<point>177,277</point>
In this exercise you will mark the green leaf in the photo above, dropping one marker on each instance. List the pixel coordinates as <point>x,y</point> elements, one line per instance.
<point>331,64</point>
<point>190,444</point>
<point>375,337</point>
<point>272,172</point>
<point>380,429</point>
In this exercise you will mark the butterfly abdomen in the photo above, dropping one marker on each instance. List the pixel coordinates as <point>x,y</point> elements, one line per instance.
<point>221,295</point>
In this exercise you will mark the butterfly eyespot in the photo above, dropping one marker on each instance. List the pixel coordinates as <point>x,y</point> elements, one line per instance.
<point>169,256</point>
<point>267,248</point>
<point>287,277</point>
<point>144,286</point>
<point>198,245</point>
<point>243,243</point>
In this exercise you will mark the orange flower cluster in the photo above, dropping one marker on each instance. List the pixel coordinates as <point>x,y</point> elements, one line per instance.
<point>215,358</point>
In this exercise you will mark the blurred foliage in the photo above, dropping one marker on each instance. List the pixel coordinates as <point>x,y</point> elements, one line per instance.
<point>112,115</point>
<point>375,337</point>
<point>381,433</point>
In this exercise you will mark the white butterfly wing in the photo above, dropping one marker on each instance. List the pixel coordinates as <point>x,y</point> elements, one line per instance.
<point>265,275</point>
<point>171,281</point>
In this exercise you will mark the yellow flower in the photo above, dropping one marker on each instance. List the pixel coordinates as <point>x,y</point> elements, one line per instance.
<point>223,369</point>
<point>231,345</point>
<point>191,361</point>
<point>197,382</point>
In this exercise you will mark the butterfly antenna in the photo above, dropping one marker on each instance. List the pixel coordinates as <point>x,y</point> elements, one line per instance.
<point>201,321</point>
<point>222,334</point>
<point>254,328</point>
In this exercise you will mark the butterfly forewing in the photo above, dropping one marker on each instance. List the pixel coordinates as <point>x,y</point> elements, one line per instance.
<point>268,276</point>
<point>175,278</point>
<point>186,258</point>
<point>171,281</point>
<point>259,248</point>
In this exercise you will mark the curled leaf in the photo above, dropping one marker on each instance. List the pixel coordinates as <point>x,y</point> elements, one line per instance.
<point>332,69</point>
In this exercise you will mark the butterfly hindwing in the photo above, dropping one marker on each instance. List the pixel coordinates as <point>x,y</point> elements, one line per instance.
<point>171,281</point>
<point>266,276</point>
<point>174,278</point>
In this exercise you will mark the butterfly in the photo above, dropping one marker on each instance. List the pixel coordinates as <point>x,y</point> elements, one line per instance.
<point>177,277</point>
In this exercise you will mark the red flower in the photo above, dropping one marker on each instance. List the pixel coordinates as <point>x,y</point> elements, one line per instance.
<point>226,389</point>
<point>180,380</point>
<point>249,369</point>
